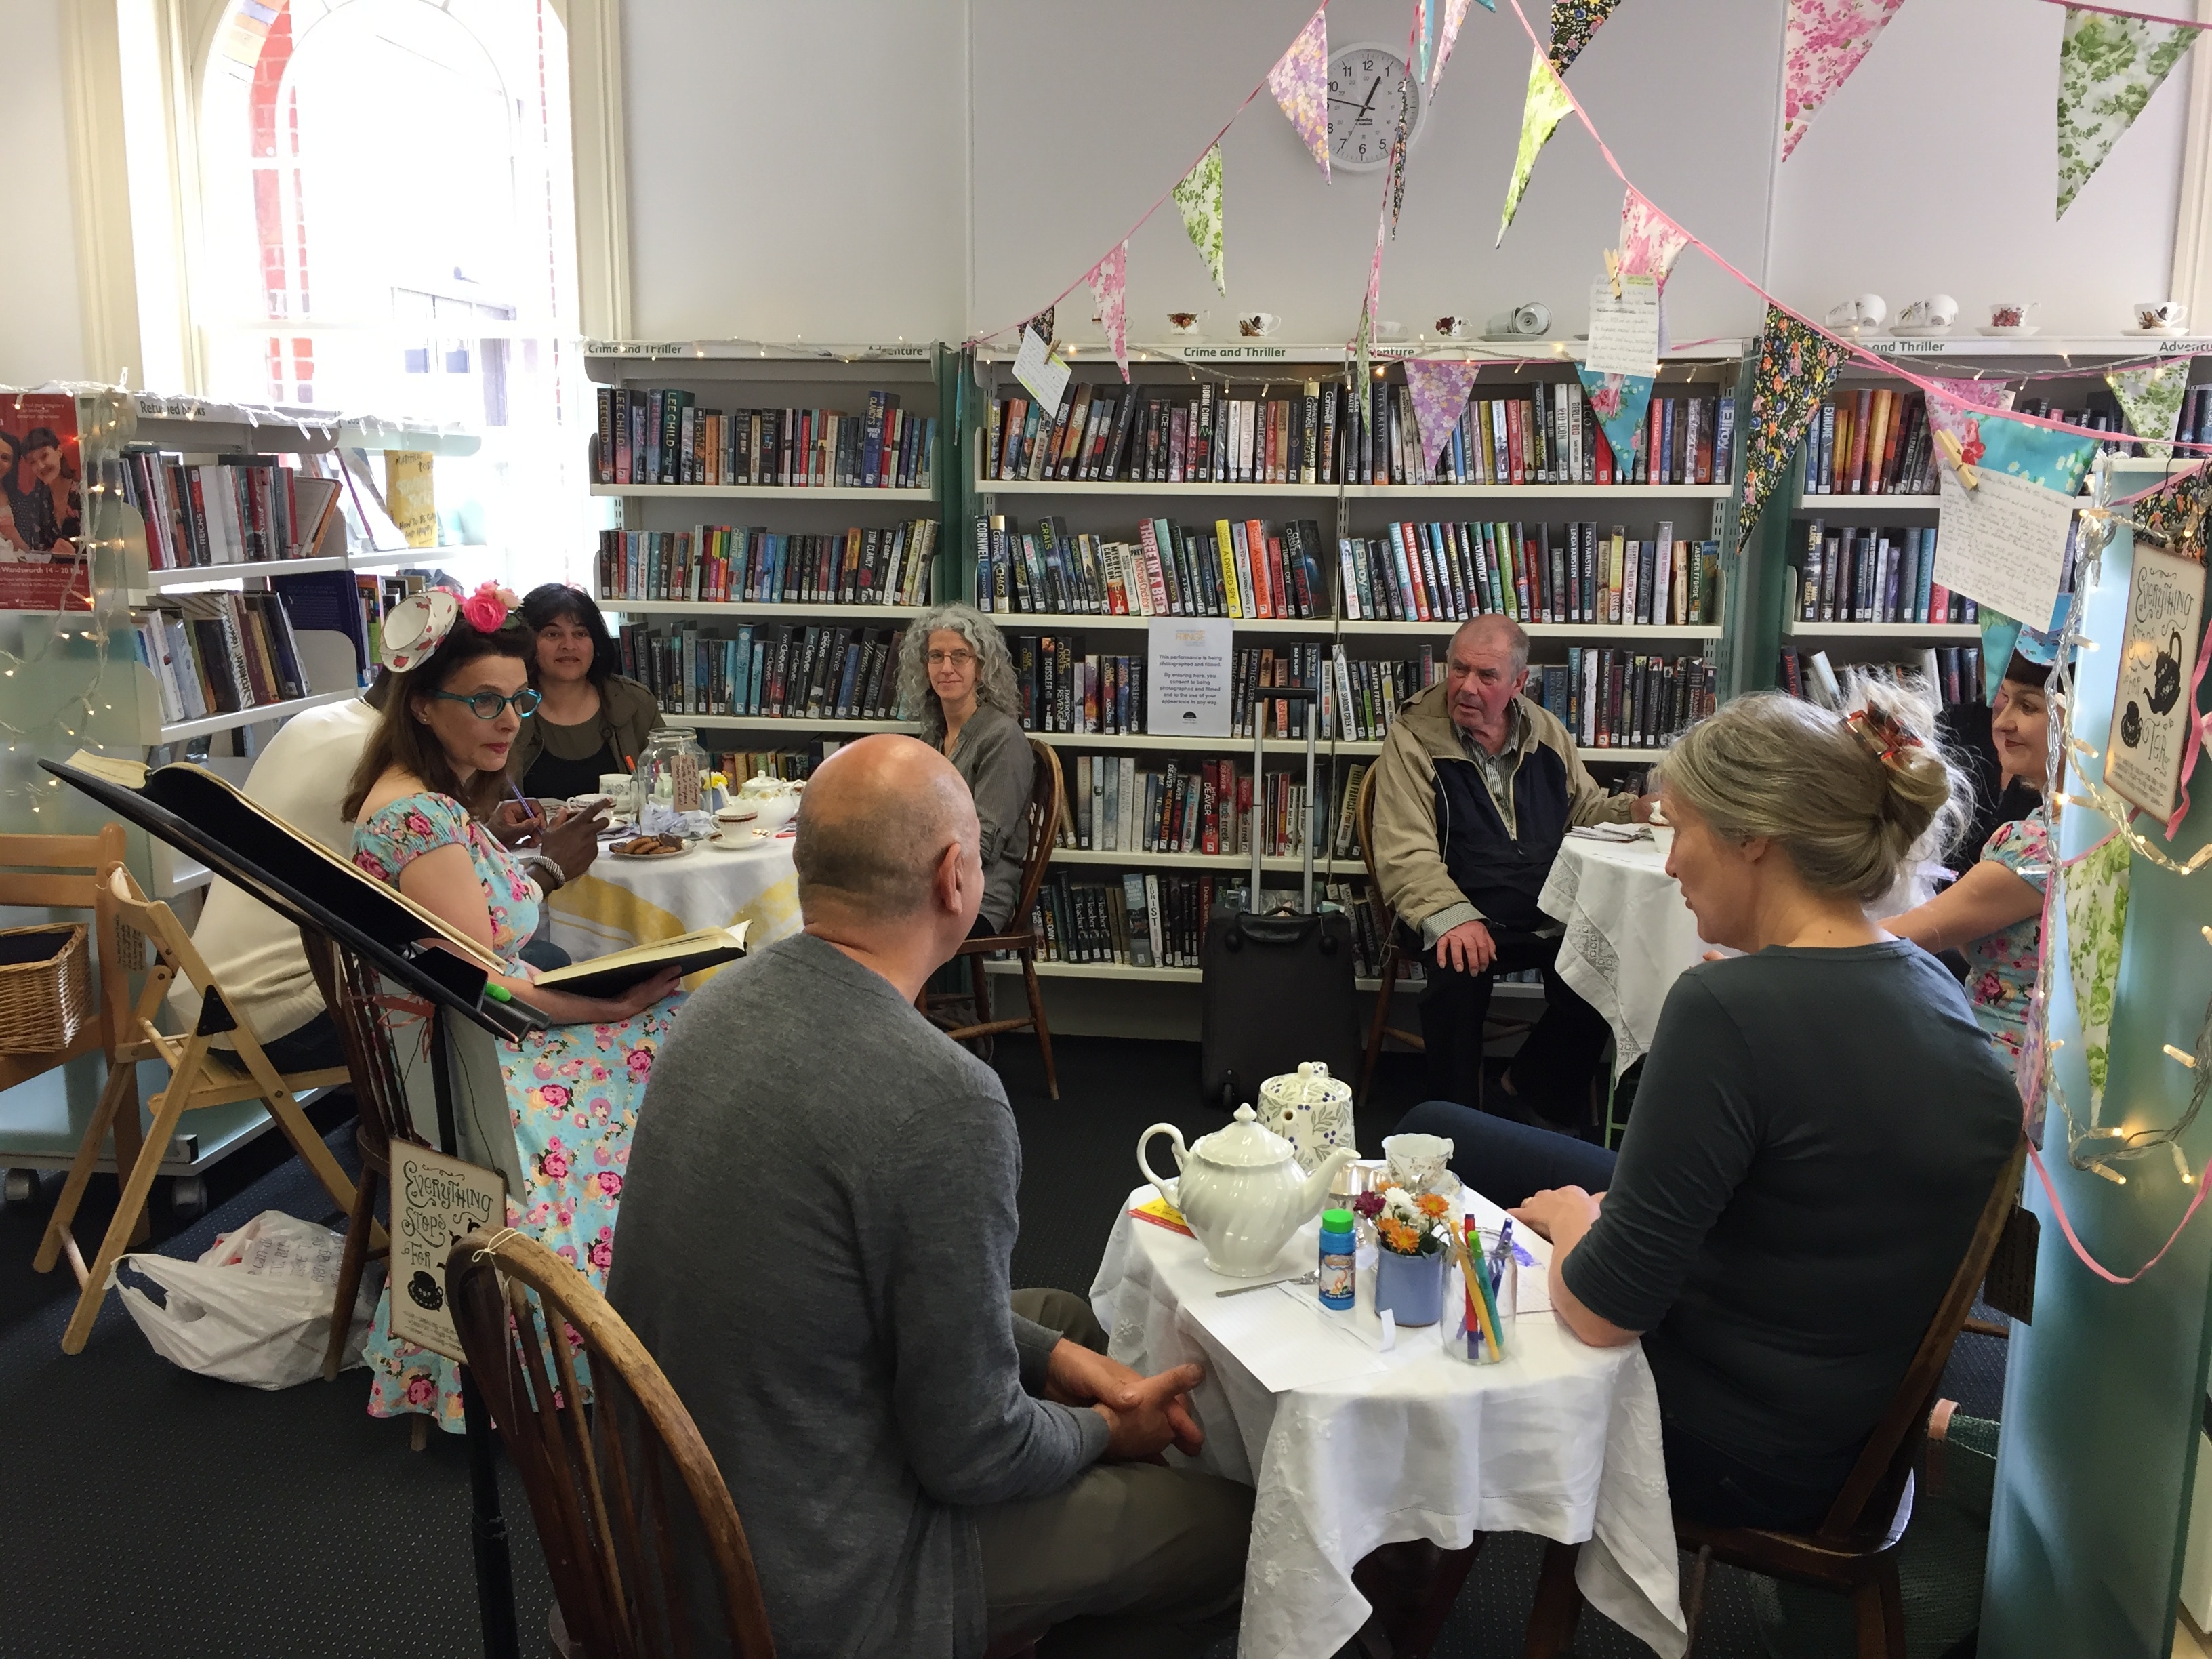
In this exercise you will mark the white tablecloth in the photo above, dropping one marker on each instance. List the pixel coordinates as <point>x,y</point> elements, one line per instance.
<point>620,902</point>
<point>1560,1440</point>
<point>1628,935</point>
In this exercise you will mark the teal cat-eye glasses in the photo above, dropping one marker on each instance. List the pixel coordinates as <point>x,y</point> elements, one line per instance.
<point>486,705</point>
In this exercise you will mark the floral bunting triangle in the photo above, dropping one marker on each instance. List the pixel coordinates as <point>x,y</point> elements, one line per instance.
<point>1573,22</point>
<point>1198,198</point>
<point>1649,241</point>
<point>1619,402</point>
<point>1822,43</point>
<point>1455,14</point>
<point>1110,287</point>
<point>2172,513</point>
<point>2151,398</point>
<point>2096,889</point>
<point>1954,409</point>
<point>1546,107</point>
<point>2108,68</point>
<point>1424,27</point>
<point>1300,83</point>
<point>1797,364</point>
<point>1439,394</point>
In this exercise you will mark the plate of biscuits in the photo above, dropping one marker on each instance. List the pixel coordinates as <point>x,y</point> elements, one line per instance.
<point>648,848</point>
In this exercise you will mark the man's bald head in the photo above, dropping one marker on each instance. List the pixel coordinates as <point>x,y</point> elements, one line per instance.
<point>874,824</point>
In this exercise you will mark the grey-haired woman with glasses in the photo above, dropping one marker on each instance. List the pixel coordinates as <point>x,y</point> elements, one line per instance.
<point>955,674</point>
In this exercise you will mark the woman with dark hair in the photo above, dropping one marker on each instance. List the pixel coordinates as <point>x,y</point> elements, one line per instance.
<point>1993,914</point>
<point>591,720</point>
<point>460,693</point>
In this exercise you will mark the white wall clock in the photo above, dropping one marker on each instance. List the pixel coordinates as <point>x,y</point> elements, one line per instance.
<point>1365,84</point>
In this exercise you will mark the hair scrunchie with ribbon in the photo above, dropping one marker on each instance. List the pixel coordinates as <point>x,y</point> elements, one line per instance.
<point>1885,739</point>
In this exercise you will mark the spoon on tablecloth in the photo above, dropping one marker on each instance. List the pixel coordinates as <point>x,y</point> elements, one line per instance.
<point>1311,1276</point>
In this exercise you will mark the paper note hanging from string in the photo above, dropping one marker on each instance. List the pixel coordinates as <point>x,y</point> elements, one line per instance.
<point>1042,370</point>
<point>1624,333</point>
<point>2004,544</point>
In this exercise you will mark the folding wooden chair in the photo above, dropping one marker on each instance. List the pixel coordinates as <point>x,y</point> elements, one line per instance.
<point>605,1483</point>
<point>62,873</point>
<point>1854,1549</point>
<point>194,1082</point>
<point>1394,956</point>
<point>1047,791</point>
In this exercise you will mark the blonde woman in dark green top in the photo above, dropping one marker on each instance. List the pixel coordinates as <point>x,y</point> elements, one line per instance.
<point>956,676</point>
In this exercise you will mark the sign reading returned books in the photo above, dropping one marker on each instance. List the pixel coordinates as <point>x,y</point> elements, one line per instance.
<point>1187,676</point>
<point>2155,701</point>
<point>2004,544</point>
<point>436,1202</point>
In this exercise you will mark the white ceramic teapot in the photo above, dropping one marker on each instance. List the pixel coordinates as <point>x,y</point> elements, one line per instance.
<point>775,801</point>
<point>1242,1191</point>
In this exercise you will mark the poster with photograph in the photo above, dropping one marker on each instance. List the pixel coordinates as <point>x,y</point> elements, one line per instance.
<point>2153,705</point>
<point>41,503</point>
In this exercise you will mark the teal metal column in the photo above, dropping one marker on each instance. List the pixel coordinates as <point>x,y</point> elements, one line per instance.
<point>2105,1392</point>
<point>955,483</point>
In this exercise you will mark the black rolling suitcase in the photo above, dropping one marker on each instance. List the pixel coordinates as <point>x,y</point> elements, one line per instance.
<point>1276,988</point>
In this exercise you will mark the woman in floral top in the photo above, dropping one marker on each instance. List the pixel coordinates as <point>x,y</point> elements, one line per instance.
<point>1994,913</point>
<point>434,767</point>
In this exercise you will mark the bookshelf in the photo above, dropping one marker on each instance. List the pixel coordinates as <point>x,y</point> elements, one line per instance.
<point>1106,508</point>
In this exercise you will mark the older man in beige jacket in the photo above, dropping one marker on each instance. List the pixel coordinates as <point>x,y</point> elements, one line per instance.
<point>1476,788</point>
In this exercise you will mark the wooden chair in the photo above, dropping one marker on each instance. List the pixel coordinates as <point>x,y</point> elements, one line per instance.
<point>1047,796</point>
<point>1394,956</point>
<point>1853,1549</point>
<point>602,1482</point>
<point>195,1081</point>
<point>354,993</point>
<point>62,873</point>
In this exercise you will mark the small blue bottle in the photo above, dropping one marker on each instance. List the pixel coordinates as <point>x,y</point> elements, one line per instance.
<point>1339,1259</point>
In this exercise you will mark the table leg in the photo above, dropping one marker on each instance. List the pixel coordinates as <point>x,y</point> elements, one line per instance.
<point>1558,1604</point>
<point>1412,1587</point>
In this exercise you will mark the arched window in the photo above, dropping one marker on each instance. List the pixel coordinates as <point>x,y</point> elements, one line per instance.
<point>388,227</point>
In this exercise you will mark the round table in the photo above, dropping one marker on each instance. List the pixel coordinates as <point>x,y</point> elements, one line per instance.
<point>1350,1448</point>
<point>619,902</point>
<point>1628,935</point>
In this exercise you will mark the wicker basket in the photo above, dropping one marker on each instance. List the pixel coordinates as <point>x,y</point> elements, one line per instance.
<point>46,987</point>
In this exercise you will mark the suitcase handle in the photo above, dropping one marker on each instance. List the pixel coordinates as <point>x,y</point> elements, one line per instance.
<point>1262,697</point>
<point>1277,931</point>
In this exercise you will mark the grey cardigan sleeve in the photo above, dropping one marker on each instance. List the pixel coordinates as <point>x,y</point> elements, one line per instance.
<point>994,756</point>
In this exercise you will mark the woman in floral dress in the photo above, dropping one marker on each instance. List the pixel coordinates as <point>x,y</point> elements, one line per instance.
<point>433,769</point>
<point>1993,914</point>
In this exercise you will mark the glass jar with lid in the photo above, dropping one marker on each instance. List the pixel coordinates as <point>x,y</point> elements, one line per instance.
<point>671,783</point>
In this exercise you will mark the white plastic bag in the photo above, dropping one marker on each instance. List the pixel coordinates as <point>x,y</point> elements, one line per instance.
<point>254,1309</point>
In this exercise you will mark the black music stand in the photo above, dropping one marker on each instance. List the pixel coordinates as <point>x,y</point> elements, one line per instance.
<point>200,814</point>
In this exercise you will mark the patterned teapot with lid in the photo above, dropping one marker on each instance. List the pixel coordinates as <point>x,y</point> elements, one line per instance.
<point>1242,1191</point>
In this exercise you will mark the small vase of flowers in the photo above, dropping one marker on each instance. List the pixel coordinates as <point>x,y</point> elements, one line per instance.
<point>1413,1233</point>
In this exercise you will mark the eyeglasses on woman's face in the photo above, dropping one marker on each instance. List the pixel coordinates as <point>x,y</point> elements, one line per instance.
<point>952,659</point>
<point>486,705</point>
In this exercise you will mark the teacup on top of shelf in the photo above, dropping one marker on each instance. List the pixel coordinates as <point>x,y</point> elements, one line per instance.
<point>1184,324</point>
<point>1868,311</point>
<point>1927,318</point>
<point>2009,317</point>
<point>2164,317</point>
<point>1255,325</point>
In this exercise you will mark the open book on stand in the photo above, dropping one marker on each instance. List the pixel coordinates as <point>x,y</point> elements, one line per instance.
<point>617,970</point>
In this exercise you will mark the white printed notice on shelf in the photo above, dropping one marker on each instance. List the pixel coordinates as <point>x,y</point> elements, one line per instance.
<point>2153,704</point>
<point>1624,333</point>
<point>1040,369</point>
<point>2003,543</point>
<point>436,1202</point>
<point>1187,677</point>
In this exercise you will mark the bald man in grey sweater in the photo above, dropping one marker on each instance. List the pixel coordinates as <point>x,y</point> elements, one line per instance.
<point>816,1231</point>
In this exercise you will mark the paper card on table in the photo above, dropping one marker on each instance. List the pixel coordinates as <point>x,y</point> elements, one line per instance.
<point>436,1202</point>
<point>1042,370</point>
<point>1624,333</point>
<point>2004,544</point>
<point>1161,1213</point>
<point>1187,680</point>
<point>2152,703</point>
<point>1286,1340</point>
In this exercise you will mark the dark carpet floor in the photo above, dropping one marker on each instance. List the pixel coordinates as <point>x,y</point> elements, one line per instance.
<point>162,1514</point>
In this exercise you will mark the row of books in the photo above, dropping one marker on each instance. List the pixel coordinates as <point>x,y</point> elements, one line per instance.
<point>1124,804</point>
<point>2195,426</point>
<point>661,435</point>
<point>1954,672</point>
<point>1872,575</point>
<point>718,564</point>
<point>793,765</point>
<point>1242,567</point>
<point>1062,688</point>
<point>241,509</point>
<point>1544,433</point>
<point>1871,440</point>
<point>1448,572</point>
<point>781,672</point>
<point>1610,699</point>
<point>218,652</point>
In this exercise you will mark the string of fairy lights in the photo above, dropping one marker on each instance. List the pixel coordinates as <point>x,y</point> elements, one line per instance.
<point>2096,1147</point>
